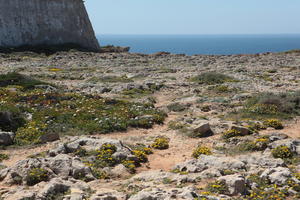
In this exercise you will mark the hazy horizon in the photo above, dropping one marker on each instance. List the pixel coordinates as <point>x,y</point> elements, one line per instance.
<point>194,17</point>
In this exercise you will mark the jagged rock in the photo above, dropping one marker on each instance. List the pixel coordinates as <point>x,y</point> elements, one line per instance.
<point>108,195</point>
<point>119,171</point>
<point>202,130</point>
<point>160,194</point>
<point>236,184</point>
<point>293,144</point>
<point>35,25</point>
<point>260,160</point>
<point>277,175</point>
<point>49,137</point>
<point>277,136</point>
<point>89,144</point>
<point>6,138</point>
<point>206,162</point>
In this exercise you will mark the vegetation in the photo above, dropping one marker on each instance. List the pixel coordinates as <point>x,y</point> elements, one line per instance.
<point>282,152</point>
<point>111,79</point>
<point>3,157</point>
<point>201,150</point>
<point>67,113</point>
<point>36,175</point>
<point>160,143</point>
<point>231,133</point>
<point>212,78</point>
<point>217,187</point>
<point>20,80</point>
<point>274,123</point>
<point>270,106</point>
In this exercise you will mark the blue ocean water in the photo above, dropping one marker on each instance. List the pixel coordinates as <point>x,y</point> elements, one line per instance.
<point>204,44</point>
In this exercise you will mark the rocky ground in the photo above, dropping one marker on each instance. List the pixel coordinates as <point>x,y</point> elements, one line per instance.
<point>111,126</point>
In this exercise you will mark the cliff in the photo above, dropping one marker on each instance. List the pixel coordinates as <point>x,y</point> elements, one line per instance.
<point>45,22</point>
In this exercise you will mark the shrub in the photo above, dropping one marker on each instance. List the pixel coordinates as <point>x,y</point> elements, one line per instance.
<point>30,134</point>
<point>274,123</point>
<point>11,118</point>
<point>231,133</point>
<point>3,157</point>
<point>282,152</point>
<point>218,187</point>
<point>266,105</point>
<point>130,165</point>
<point>211,78</point>
<point>99,173</point>
<point>140,155</point>
<point>104,156</point>
<point>19,80</point>
<point>201,150</point>
<point>177,107</point>
<point>36,175</point>
<point>160,143</point>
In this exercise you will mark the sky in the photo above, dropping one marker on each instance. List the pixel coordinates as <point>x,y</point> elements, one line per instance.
<point>194,16</point>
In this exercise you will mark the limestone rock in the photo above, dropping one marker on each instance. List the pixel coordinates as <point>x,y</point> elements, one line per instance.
<point>277,175</point>
<point>6,138</point>
<point>236,184</point>
<point>38,22</point>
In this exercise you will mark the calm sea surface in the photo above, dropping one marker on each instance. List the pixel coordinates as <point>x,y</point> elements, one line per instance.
<point>204,44</point>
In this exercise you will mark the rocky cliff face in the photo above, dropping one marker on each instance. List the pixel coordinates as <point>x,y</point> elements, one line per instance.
<point>45,22</point>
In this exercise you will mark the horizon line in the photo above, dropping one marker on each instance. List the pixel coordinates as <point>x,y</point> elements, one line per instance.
<point>197,34</point>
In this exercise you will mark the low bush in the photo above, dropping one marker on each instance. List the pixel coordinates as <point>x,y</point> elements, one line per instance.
<point>269,105</point>
<point>17,79</point>
<point>217,187</point>
<point>201,150</point>
<point>160,143</point>
<point>274,123</point>
<point>36,175</point>
<point>211,78</point>
<point>282,152</point>
<point>231,133</point>
<point>3,157</point>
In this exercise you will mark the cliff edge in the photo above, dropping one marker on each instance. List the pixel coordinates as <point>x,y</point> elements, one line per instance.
<point>45,22</point>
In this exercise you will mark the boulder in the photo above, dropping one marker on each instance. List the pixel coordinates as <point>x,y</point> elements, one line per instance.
<point>236,184</point>
<point>278,175</point>
<point>49,137</point>
<point>202,130</point>
<point>6,138</point>
<point>207,162</point>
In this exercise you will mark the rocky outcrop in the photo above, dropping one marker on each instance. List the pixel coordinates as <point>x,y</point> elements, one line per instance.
<point>38,22</point>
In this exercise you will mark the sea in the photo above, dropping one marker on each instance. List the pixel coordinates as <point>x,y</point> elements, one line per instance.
<point>204,44</point>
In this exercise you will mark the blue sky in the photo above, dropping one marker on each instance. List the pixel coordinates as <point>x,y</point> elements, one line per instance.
<point>194,16</point>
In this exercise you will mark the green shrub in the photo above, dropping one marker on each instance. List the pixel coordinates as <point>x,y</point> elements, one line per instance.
<point>30,134</point>
<point>218,187</point>
<point>11,118</point>
<point>160,143</point>
<point>36,175</point>
<point>201,150</point>
<point>69,113</point>
<point>140,155</point>
<point>268,105</point>
<point>3,157</point>
<point>231,133</point>
<point>104,156</point>
<point>177,107</point>
<point>282,152</point>
<point>211,78</point>
<point>19,80</point>
<point>274,123</point>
